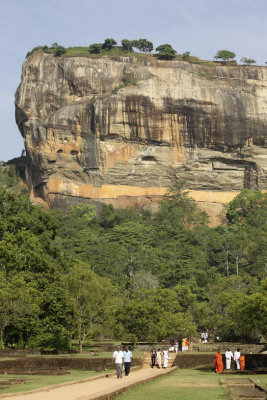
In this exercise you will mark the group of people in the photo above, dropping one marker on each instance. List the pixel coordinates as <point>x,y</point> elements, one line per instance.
<point>238,357</point>
<point>204,336</point>
<point>157,356</point>
<point>122,359</point>
<point>180,345</point>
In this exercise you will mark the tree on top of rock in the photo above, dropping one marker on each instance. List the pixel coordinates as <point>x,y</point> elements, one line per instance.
<point>247,61</point>
<point>95,48</point>
<point>127,45</point>
<point>109,44</point>
<point>165,52</point>
<point>224,55</point>
<point>143,45</point>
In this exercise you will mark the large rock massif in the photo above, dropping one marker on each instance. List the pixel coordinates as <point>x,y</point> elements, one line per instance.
<point>122,129</point>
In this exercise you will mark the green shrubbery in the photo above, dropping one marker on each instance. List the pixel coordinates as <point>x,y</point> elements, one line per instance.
<point>55,48</point>
<point>11,179</point>
<point>110,47</point>
<point>130,275</point>
<point>165,52</point>
<point>225,55</point>
<point>247,61</point>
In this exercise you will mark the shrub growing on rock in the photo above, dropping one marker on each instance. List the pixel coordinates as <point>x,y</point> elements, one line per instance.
<point>143,45</point>
<point>127,45</point>
<point>95,48</point>
<point>165,52</point>
<point>247,61</point>
<point>109,44</point>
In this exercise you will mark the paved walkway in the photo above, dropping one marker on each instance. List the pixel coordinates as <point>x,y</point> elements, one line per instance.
<point>95,389</point>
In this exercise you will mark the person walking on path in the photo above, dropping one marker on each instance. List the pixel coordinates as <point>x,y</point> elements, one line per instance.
<point>187,344</point>
<point>165,358</point>
<point>128,357</point>
<point>176,347</point>
<point>158,358</point>
<point>117,358</point>
<point>218,362</point>
<point>153,357</point>
<point>237,358</point>
<point>242,361</point>
<point>228,358</point>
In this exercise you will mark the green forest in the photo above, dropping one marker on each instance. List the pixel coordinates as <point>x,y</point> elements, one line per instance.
<point>131,275</point>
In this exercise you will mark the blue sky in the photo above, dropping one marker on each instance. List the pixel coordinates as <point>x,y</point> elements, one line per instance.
<point>200,26</point>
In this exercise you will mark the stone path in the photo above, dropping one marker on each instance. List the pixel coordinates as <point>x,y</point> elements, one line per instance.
<point>93,389</point>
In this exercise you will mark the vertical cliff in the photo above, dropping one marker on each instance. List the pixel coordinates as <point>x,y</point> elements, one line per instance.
<point>120,130</point>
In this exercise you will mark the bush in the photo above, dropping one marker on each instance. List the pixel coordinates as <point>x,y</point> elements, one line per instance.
<point>109,44</point>
<point>165,52</point>
<point>127,45</point>
<point>54,45</point>
<point>60,50</point>
<point>35,49</point>
<point>186,55</point>
<point>59,340</point>
<point>95,48</point>
<point>247,61</point>
<point>143,45</point>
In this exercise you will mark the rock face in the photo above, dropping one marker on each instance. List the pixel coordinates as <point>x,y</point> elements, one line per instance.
<point>120,130</point>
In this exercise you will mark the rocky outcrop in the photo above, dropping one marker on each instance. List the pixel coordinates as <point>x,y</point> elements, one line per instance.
<point>122,129</point>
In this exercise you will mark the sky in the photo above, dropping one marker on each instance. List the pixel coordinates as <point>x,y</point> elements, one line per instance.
<point>200,26</point>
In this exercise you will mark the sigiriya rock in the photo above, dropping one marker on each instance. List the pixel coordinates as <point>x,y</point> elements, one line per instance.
<point>120,130</point>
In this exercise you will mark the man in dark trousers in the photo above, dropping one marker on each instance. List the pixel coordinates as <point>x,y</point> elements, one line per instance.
<point>127,360</point>
<point>153,357</point>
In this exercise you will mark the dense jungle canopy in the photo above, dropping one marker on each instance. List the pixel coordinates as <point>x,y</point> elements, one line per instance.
<point>131,275</point>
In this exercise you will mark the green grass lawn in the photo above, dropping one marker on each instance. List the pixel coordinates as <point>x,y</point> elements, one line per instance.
<point>182,384</point>
<point>187,384</point>
<point>39,381</point>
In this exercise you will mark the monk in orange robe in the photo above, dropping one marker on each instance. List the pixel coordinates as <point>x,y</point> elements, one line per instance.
<point>218,362</point>
<point>242,362</point>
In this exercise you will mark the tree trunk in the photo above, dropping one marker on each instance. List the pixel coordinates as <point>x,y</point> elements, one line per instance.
<point>80,345</point>
<point>2,338</point>
<point>237,265</point>
<point>227,263</point>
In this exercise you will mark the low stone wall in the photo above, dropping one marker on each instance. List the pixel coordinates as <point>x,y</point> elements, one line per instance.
<point>18,352</point>
<point>244,348</point>
<point>253,361</point>
<point>31,365</point>
<point>54,365</point>
<point>193,360</point>
<point>256,361</point>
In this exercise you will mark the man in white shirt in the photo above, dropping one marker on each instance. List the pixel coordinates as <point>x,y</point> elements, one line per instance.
<point>228,358</point>
<point>127,360</point>
<point>237,358</point>
<point>118,358</point>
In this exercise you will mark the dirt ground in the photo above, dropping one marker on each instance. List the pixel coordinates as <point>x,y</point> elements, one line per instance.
<point>91,389</point>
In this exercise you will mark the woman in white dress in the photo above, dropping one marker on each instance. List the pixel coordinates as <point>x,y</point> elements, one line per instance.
<point>165,358</point>
<point>158,358</point>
